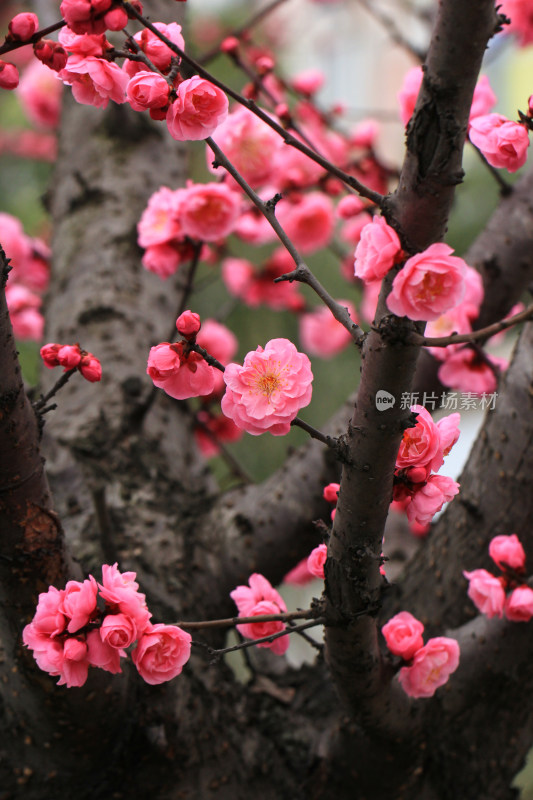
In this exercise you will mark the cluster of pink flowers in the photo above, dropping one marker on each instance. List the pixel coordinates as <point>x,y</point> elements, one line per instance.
<point>28,279</point>
<point>266,393</point>
<point>429,665</point>
<point>257,599</point>
<point>90,624</point>
<point>71,356</point>
<point>507,594</point>
<point>417,489</point>
<point>203,211</point>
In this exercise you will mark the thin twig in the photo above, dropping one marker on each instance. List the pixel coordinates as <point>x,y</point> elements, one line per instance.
<point>216,654</point>
<point>392,29</point>
<point>330,441</point>
<point>39,404</point>
<point>7,47</point>
<point>473,336</point>
<point>505,188</point>
<point>254,20</point>
<point>231,622</point>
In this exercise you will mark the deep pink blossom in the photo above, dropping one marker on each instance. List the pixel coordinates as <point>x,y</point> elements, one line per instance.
<point>430,498</point>
<point>165,259</point>
<point>9,75</point>
<point>69,356</point>
<point>157,51</point>
<point>120,591</point>
<point>180,374</point>
<point>465,370</point>
<point>211,430</point>
<point>521,16</point>
<point>161,653</point>
<point>267,392</point>
<point>403,634</point>
<point>299,575</point>
<point>519,604</point>
<point>486,592</point>
<point>200,107</point>
<point>118,630</point>
<point>432,666</point>
<point>147,90</point>
<point>209,211</point>
<point>503,142</point>
<point>188,324</point>
<point>331,492</point>
<point>378,250</point>
<point>51,54</point>
<point>316,560</point>
<point>90,367</point>
<point>420,444</point>
<point>428,285</point>
<point>321,334</point>
<point>95,81</point>
<point>507,551</point>
<point>23,26</point>
<point>259,598</point>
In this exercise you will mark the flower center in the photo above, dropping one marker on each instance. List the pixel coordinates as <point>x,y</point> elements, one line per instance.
<point>268,384</point>
<point>431,287</point>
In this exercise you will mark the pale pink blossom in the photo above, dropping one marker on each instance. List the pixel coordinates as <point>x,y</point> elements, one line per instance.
<point>486,592</point>
<point>24,305</point>
<point>432,666</point>
<point>200,107</point>
<point>160,220</point>
<point>49,618</point>
<point>507,551</point>
<point>430,498</point>
<point>267,392</point>
<point>39,92</point>
<point>95,81</point>
<point>448,428</point>
<point>429,284</point>
<point>259,598</point>
<point>78,603</point>
<point>161,653</point>
<point>118,630</point>
<point>253,227</point>
<point>503,142</point>
<point>365,134</point>
<point>309,81</point>
<point>456,320</point>
<point>14,241</point>
<point>120,591</point>
<point>379,249</point>
<point>85,44</point>
<point>250,145</point>
<point>316,560</point>
<point>466,371</point>
<point>350,232</point>
<point>209,211</point>
<point>321,334</point>
<point>180,374</point>
<point>403,634</point>
<point>147,90</point>
<point>350,206</point>
<point>370,300</point>
<point>519,604</point>
<point>309,222</point>
<point>157,51</point>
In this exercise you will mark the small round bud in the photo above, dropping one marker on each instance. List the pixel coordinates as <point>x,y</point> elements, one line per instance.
<point>188,324</point>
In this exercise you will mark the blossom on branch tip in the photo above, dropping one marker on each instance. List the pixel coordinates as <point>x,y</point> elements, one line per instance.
<point>519,604</point>
<point>266,393</point>
<point>316,560</point>
<point>507,551</point>
<point>9,76</point>
<point>432,666</point>
<point>486,592</point>
<point>259,598</point>
<point>179,373</point>
<point>161,653</point>
<point>23,26</point>
<point>95,81</point>
<point>147,90</point>
<point>503,142</point>
<point>379,249</point>
<point>403,634</point>
<point>200,107</point>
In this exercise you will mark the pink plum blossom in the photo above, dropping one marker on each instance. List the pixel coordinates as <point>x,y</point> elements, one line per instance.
<point>165,259</point>
<point>49,618</point>
<point>466,371</point>
<point>519,12</point>
<point>429,284</point>
<point>159,222</point>
<point>420,444</point>
<point>308,222</point>
<point>409,92</point>
<point>23,26</point>
<point>350,206</point>
<point>51,54</point>
<point>157,51</point>
<point>101,654</point>
<point>161,653</point>
<point>85,16</point>
<point>209,211</point>
<point>483,100</point>
<point>309,81</point>
<point>507,551</point>
<point>257,287</point>
<point>378,250</point>
<point>432,666</point>
<point>39,92</point>
<point>259,598</point>
<point>24,305</point>
<point>200,107</point>
<point>90,367</point>
<point>316,560</point>
<point>218,340</point>
<point>267,392</point>
<point>147,90</point>
<point>95,81</point>
<point>249,143</point>
<point>430,498</point>
<point>519,604</point>
<point>118,630</point>
<point>212,429</point>
<point>188,324</point>
<point>78,603</point>
<point>403,634</point>
<point>321,334</point>
<point>85,44</point>
<point>486,592</point>
<point>299,575</point>
<point>503,142</point>
<point>9,76</point>
<point>180,374</point>
<point>331,492</point>
<point>120,591</point>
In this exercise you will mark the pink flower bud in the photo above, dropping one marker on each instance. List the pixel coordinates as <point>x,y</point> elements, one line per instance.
<point>9,76</point>
<point>229,45</point>
<point>23,26</point>
<point>507,551</point>
<point>264,65</point>
<point>147,90</point>
<point>69,356</point>
<point>309,81</point>
<point>52,54</point>
<point>331,492</point>
<point>378,250</point>
<point>90,368</point>
<point>519,605</point>
<point>403,634</point>
<point>188,324</point>
<point>49,353</point>
<point>116,19</point>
